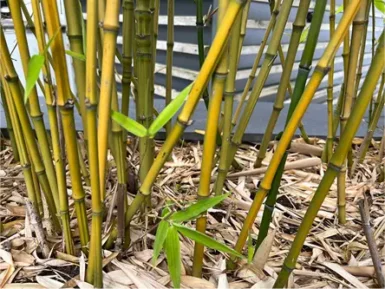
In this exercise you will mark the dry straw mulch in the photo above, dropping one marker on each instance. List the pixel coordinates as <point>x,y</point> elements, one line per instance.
<point>333,255</point>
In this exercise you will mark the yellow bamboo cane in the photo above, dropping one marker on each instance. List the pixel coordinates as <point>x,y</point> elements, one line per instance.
<point>320,71</point>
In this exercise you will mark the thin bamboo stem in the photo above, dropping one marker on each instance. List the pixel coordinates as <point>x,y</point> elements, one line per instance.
<point>170,47</point>
<point>74,18</point>
<point>369,134</point>
<point>330,96</point>
<point>209,144</point>
<point>109,34</point>
<point>33,100</point>
<point>314,82</point>
<point>200,84</point>
<point>56,147</point>
<point>373,48</point>
<point>338,158</point>
<point>358,28</point>
<point>9,74</point>
<point>66,106</point>
<point>298,26</point>
<point>94,271</point>
<point>270,56</point>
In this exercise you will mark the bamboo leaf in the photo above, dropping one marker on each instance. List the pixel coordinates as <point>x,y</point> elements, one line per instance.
<point>129,124</point>
<point>339,9</point>
<point>51,40</point>
<point>205,240</point>
<point>161,234</point>
<point>196,209</point>
<point>35,65</point>
<point>76,55</point>
<point>304,34</point>
<point>169,111</point>
<point>172,249</point>
<point>380,5</point>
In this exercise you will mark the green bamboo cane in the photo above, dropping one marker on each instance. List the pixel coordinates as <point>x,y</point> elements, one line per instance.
<point>66,106</point>
<point>201,48</point>
<point>20,144</point>
<point>358,27</point>
<point>336,163</point>
<point>35,112</point>
<point>11,133</point>
<point>373,47</point>
<point>128,39</point>
<point>298,26</point>
<point>143,68</point>
<point>56,148</point>
<point>314,82</point>
<point>381,87</point>
<point>94,271</point>
<point>83,167</point>
<point>200,84</point>
<point>36,184</point>
<point>330,138</point>
<point>257,89</point>
<point>369,134</point>
<point>209,138</point>
<point>271,25</point>
<point>75,35</point>
<point>13,81</point>
<point>242,33</point>
<point>229,96</point>
<point>170,46</point>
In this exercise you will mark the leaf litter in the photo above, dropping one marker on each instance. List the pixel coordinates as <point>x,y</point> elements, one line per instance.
<point>333,255</point>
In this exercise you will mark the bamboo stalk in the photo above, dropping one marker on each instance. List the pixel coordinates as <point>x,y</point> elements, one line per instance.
<point>298,26</point>
<point>143,68</point>
<point>338,158</point>
<point>229,96</point>
<point>242,33</point>
<point>374,252</point>
<point>369,134</point>
<point>271,25</point>
<point>314,82</point>
<point>200,84</point>
<point>373,47</point>
<point>128,40</point>
<point>109,34</point>
<point>9,74</point>
<point>94,271</point>
<point>270,55</point>
<point>209,144</point>
<point>66,105</point>
<point>19,142</point>
<point>358,28</point>
<point>330,95</point>
<point>33,100</point>
<point>56,148</point>
<point>170,46</point>
<point>74,18</point>
<point>11,133</point>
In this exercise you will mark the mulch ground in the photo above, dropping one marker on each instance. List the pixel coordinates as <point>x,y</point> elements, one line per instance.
<point>334,255</point>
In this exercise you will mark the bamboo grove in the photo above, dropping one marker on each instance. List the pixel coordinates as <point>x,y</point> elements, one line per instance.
<point>44,149</point>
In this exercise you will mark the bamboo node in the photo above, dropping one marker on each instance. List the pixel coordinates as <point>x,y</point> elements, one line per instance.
<point>90,106</point>
<point>183,123</point>
<point>37,117</point>
<point>229,93</point>
<point>111,28</point>
<point>10,78</point>
<point>26,166</point>
<point>96,214</point>
<point>287,268</point>
<point>323,70</point>
<point>220,75</point>
<point>335,167</point>
<point>63,212</point>
<point>360,22</point>
<point>68,105</point>
<point>200,24</point>
<point>79,200</point>
<point>270,208</point>
<point>304,68</point>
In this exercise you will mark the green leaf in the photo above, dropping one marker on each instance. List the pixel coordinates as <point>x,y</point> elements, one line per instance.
<point>205,240</point>
<point>196,209</point>
<point>304,34</point>
<point>380,5</point>
<point>340,9</point>
<point>172,249</point>
<point>76,55</point>
<point>250,249</point>
<point>129,124</point>
<point>51,40</point>
<point>169,111</point>
<point>161,234</point>
<point>35,65</point>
